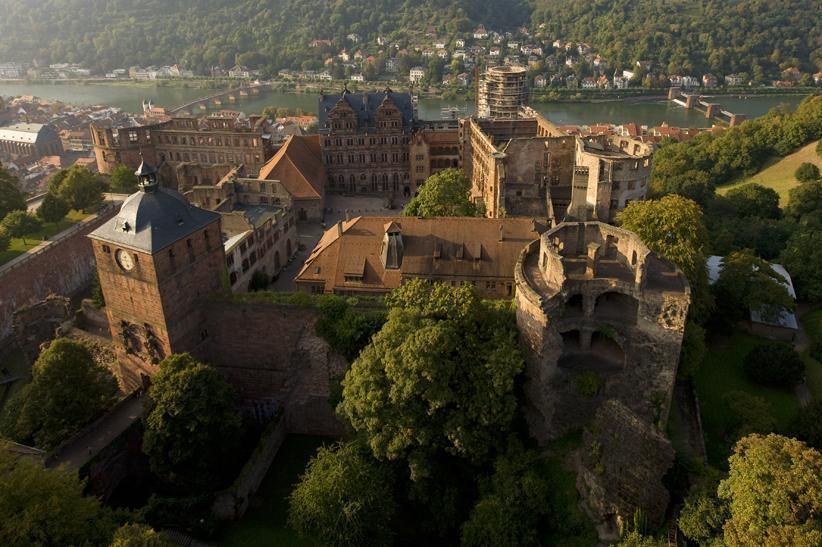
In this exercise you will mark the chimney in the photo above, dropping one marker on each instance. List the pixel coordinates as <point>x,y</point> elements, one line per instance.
<point>339,229</point>
<point>501,232</point>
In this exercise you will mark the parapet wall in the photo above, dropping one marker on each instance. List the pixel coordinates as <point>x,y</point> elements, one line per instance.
<point>63,266</point>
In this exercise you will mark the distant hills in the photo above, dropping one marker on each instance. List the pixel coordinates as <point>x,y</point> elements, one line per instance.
<point>755,36</point>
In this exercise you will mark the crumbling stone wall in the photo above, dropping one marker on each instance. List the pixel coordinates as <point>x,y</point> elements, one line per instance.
<point>271,352</point>
<point>40,322</point>
<point>600,317</point>
<point>63,267</point>
<point>620,467</point>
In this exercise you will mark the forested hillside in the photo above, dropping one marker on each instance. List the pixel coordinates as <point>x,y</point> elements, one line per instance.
<point>681,36</point>
<point>758,37</point>
<point>105,34</point>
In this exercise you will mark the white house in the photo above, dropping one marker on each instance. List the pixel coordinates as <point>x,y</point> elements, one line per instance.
<point>416,74</point>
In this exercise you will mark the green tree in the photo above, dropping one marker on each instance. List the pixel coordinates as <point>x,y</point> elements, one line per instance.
<point>79,187</point>
<point>5,238</point>
<point>444,194</point>
<point>819,148</point>
<point>702,517</point>
<point>52,209</point>
<point>123,180</point>
<point>774,493</point>
<point>68,390</point>
<point>746,413</point>
<point>345,498</point>
<point>747,282</point>
<point>755,200</point>
<point>192,423</point>
<point>636,539</point>
<point>21,224</point>
<point>802,257</point>
<point>11,198</point>
<point>513,503</point>
<point>805,199</point>
<point>438,379</point>
<point>807,172</point>
<point>774,364</point>
<point>43,507</point>
<point>808,425</point>
<point>139,535</point>
<point>673,227</point>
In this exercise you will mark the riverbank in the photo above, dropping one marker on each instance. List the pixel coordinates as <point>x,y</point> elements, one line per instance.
<point>559,95</point>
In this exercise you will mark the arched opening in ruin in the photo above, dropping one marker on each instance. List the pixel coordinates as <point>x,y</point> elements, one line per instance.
<point>616,306</point>
<point>277,260</point>
<point>607,350</point>
<point>571,341</point>
<point>574,306</point>
<point>288,248</point>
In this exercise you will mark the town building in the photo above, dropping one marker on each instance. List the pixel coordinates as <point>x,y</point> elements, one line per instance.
<point>373,255</point>
<point>298,166</point>
<point>531,167</point>
<point>364,139</point>
<point>416,74</point>
<point>26,142</point>
<point>501,91</point>
<point>185,147</point>
<point>434,147</point>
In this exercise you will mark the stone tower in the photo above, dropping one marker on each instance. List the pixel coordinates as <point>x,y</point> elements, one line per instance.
<point>601,318</point>
<point>159,259</point>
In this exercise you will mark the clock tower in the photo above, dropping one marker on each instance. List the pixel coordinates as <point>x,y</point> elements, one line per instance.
<point>159,260</point>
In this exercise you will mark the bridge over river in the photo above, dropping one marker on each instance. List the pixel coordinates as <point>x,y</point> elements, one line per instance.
<point>229,96</point>
<point>694,101</point>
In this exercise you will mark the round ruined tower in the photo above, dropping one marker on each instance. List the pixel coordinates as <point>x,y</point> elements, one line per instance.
<point>601,317</point>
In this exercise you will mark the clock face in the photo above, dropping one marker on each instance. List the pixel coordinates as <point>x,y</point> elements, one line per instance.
<point>124,260</point>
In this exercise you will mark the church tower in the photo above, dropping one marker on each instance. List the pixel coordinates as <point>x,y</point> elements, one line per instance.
<point>159,259</point>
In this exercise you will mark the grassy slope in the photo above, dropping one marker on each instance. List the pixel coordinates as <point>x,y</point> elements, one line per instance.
<point>19,246</point>
<point>265,522</point>
<point>779,172</point>
<point>722,372</point>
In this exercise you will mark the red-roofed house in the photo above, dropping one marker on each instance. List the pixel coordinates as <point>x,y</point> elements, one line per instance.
<point>299,168</point>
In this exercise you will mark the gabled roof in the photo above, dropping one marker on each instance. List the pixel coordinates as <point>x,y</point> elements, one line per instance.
<point>298,167</point>
<point>365,105</point>
<point>432,248</point>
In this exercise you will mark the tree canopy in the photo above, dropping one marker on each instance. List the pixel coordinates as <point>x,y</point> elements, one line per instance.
<point>807,172</point>
<point>345,498</point>
<point>68,390</point>
<point>21,223</point>
<point>47,507</point>
<point>123,180</point>
<point>444,194</point>
<point>139,535</point>
<point>81,189</point>
<point>11,198</point>
<point>746,282</point>
<point>52,209</point>
<point>774,493</point>
<point>192,423</point>
<point>437,379</point>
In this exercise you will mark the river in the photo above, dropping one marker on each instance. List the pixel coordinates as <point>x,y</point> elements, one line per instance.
<point>643,111</point>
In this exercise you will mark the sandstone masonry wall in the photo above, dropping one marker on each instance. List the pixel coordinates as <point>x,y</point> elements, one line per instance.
<point>63,266</point>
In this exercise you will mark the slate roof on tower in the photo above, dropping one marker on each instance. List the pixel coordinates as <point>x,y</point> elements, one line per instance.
<point>151,221</point>
<point>366,105</point>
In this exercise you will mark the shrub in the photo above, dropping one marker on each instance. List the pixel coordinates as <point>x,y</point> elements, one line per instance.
<point>747,414</point>
<point>807,172</point>
<point>775,365</point>
<point>589,384</point>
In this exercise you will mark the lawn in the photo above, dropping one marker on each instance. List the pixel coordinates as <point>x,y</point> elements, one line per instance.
<point>722,372</point>
<point>265,521</point>
<point>19,246</point>
<point>779,172</point>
